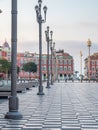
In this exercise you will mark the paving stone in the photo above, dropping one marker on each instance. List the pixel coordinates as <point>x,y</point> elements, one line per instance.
<point>52,120</point>
<point>85,117</point>
<point>36,119</point>
<point>13,126</point>
<point>33,125</point>
<point>70,122</point>
<point>3,122</point>
<point>51,128</point>
<point>32,128</point>
<point>71,125</point>
<point>70,128</point>
<point>11,129</point>
<point>87,121</point>
<point>15,122</point>
<point>52,123</point>
<point>90,126</point>
<point>68,117</point>
<point>35,122</point>
<point>1,127</point>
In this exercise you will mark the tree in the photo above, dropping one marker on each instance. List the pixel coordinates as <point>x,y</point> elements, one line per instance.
<point>30,67</point>
<point>4,66</point>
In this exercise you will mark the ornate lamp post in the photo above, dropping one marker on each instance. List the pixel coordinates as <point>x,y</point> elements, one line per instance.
<point>55,66</point>
<point>52,45</point>
<point>89,45</point>
<point>81,65</point>
<point>48,39</point>
<point>13,99</point>
<point>40,21</point>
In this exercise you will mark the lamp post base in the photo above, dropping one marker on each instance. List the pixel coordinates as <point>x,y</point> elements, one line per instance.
<point>48,87</point>
<point>40,93</point>
<point>13,108</point>
<point>13,115</point>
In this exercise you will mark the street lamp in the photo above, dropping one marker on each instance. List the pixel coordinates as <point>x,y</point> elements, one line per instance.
<point>55,65</point>
<point>52,45</point>
<point>48,39</point>
<point>40,21</point>
<point>89,45</point>
<point>13,99</point>
<point>81,65</point>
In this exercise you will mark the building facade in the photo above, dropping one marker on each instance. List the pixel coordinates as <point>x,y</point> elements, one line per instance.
<point>5,51</point>
<point>93,66</point>
<point>23,58</point>
<point>65,65</point>
<point>61,65</point>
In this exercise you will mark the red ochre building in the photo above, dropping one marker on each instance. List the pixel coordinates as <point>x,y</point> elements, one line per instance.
<point>62,63</point>
<point>65,65</point>
<point>5,52</point>
<point>93,66</point>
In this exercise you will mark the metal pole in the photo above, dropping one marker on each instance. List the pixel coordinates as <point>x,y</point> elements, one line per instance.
<point>81,65</point>
<point>89,45</point>
<point>48,86</point>
<point>51,66</point>
<point>81,68</point>
<point>89,62</point>
<point>40,57</point>
<point>13,99</point>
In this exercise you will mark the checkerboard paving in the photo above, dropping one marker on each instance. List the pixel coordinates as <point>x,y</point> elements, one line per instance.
<point>65,106</point>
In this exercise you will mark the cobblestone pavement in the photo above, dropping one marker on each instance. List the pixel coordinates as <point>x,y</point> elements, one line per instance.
<point>65,106</point>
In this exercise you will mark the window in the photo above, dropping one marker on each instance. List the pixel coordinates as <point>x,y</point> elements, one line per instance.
<point>69,68</point>
<point>44,67</point>
<point>93,62</point>
<point>65,62</point>
<point>93,69</point>
<point>65,68</point>
<point>61,62</point>
<point>61,68</point>
<point>69,62</point>
<point>93,74</point>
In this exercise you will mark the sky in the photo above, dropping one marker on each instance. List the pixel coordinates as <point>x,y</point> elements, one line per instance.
<point>72,23</point>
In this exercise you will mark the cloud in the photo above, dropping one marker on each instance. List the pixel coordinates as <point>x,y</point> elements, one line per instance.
<point>69,46</point>
<point>88,24</point>
<point>30,46</point>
